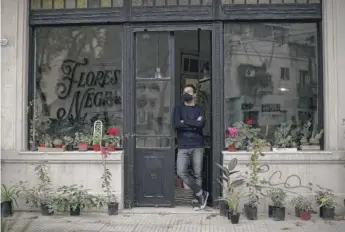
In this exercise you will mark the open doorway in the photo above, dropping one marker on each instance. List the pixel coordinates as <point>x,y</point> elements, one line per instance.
<point>193,58</point>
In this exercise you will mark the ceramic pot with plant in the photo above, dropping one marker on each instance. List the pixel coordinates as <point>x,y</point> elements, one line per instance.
<point>58,143</point>
<point>325,198</point>
<point>113,205</point>
<point>278,197</point>
<point>305,209</point>
<point>82,141</point>
<point>111,139</point>
<point>76,198</point>
<point>233,140</point>
<point>46,141</point>
<point>226,182</point>
<point>9,195</point>
<point>68,141</point>
<point>297,203</point>
<point>97,140</point>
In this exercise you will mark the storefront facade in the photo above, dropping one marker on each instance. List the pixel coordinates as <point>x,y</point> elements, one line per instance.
<point>69,56</point>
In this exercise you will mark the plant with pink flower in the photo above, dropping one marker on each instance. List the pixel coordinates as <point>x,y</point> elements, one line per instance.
<point>233,138</point>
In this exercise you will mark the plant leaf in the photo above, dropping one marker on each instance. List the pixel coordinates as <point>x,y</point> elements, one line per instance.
<point>232,164</point>
<point>237,183</point>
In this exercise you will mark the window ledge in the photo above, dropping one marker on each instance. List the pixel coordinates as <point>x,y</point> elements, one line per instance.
<point>317,157</point>
<point>63,157</point>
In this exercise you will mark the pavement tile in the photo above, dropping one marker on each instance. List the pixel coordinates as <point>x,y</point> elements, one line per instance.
<point>165,222</point>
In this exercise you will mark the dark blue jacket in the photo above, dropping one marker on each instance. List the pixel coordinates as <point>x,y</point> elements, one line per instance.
<point>189,128</point>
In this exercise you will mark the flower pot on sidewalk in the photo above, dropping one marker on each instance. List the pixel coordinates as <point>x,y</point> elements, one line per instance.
<point>6,208</point>
<point>279,213</point>
<point>113,208</point>
<point>305,215</point>
<point>235,218</point>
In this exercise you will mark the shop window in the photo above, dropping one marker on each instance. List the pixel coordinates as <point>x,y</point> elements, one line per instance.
<point>71,4</point>
<point>266,83</point>
<point>78,80</point>
<point>268,1</point>
<point>171,2</point>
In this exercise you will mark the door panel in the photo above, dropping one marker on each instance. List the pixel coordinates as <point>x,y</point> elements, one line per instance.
<point>154,134</point>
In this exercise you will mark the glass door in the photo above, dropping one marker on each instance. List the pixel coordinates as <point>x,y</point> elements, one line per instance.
<point>154,136</point>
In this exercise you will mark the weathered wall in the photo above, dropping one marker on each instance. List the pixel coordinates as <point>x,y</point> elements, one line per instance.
<point>326,169</point>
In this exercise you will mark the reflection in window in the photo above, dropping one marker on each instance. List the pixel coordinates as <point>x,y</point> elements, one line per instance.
<point>78,80</point>
<point>268,80</point>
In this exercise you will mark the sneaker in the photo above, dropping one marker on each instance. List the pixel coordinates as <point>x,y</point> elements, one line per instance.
<point>195,205</point>
<point>203,199</point>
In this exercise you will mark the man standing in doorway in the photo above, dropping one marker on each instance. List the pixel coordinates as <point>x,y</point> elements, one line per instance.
<point>189,120</point>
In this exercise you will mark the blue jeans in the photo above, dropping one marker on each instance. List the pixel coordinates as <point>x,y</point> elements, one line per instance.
<point>193,156</point>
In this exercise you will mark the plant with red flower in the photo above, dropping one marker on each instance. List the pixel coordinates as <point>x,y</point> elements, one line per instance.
<point>250,122</point>
<point>233,138</point>
<point>106,177</point>
<point>111,137</point>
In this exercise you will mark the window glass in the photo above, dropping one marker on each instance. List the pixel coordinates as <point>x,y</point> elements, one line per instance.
<point>78,80</point>
<point>270,75</point>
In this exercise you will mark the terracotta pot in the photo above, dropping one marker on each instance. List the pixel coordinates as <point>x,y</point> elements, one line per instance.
<point>83,146</point>
<point>42,145</point>
<point>111,148</point>
<point>58,145</point>
<point>96,147</point>
<point>232,148</point>
<point>305,215</point>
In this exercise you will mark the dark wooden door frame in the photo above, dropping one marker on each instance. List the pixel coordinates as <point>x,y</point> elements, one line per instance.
<point>217,91</point>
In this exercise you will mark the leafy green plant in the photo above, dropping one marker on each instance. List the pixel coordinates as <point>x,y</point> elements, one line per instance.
<point>47,140</point>
<point>67,140</point>
<point>82,138</point>
<point>75,196</point>
<point>282,135</point>
<point>315,137</point>
<point>297,201</point>
<point>10,193</point>
<point>325,197</point>
<point>57,141</point>
<point>277,196</point>
<point>43,193</point>
<point>253,180</point>
<point>231,193</point>
<point>106,177</point>
<point>97,139</point>
<point>310,137</point>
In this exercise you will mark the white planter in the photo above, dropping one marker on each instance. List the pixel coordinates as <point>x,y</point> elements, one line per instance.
<point>294,149</point>
<point>310,147</point>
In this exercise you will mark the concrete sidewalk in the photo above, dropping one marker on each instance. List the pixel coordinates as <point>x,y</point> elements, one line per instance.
<point>163,222</point>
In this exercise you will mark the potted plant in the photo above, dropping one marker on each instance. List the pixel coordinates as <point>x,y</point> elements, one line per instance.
<point>97,141</point>
<point>233,140</point>
<point>42,195</point>
<point>310,140</point>
<point>58,143</point>
<point>278,197</point>
<point>325,199</point>
<point>113,205</point>
<point>283,139</point>
<point>75,198</point>
<point>225,181</point>
<point>9,194</point>
<point>233,199</point>
<point>68,141</point>
<point>297,203</point>
<point>82,141</point>
<point>305,209</point>
<point>112,140</point>
<point>253,181</point>
<point>46,141</point>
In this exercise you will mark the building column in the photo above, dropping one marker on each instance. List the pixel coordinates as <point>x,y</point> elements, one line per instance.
<point>14,74</point>
<point>334,73</point>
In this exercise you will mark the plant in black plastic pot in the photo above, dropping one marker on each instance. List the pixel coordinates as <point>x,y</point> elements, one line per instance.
<point>233,198</point>
<point>76,198</point>
<point>253,181</point>
<point>225,181</point>
<point>41,196</point>
<point>278,197</point>
<point>68,143</point>
<point>113,205</point>
<point>325,199</point>
<point>9,195</point>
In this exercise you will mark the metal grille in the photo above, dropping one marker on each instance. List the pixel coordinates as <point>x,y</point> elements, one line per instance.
<point>171,2</point>
<point>72,4</point>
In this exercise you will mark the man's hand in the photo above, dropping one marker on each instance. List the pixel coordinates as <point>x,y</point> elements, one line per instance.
<point>199,118</point>
<point>182,121</point>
